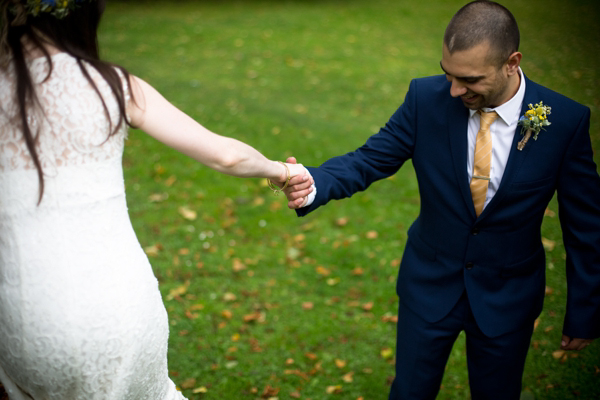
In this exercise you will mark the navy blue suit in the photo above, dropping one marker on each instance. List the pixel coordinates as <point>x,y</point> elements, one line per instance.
<point>496,261</point>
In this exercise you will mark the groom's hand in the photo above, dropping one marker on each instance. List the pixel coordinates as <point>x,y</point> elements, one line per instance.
<point>569,343</point>
<point>298,188</point>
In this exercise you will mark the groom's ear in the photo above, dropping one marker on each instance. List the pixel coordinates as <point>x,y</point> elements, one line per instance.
<point>513,63</point>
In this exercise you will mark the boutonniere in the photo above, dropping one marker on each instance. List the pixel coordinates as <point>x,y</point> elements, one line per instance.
<point>534,120</point>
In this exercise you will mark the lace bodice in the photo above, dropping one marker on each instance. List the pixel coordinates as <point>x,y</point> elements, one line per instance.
<point>81,316</point>
<point>72,132</point>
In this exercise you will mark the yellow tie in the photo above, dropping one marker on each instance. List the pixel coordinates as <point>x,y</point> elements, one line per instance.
<point>482,161</point>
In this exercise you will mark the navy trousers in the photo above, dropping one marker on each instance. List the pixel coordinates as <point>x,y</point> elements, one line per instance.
<point>495,364</point>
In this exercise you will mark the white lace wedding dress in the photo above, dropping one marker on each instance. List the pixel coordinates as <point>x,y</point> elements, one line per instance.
<point>81,316</point>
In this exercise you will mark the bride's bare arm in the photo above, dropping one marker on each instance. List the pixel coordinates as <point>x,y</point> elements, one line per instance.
<point>152,113</point>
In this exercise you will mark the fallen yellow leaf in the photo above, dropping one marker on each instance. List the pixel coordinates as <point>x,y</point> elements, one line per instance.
<point>348,378</point>
<point>368,306</point>
<point>201,389</point>
<point>333,389</point>
<point>187,213</point>
<point>152,251</point>
<point>548,244</point>
<point>387,353</point>
<point>178,291</point>
<point>372,235</point>
<point>558,354</point>
<point>322,271</point>
<point>229,297</point>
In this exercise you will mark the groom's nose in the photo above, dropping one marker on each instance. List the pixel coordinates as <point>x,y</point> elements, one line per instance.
<point>457,89</point>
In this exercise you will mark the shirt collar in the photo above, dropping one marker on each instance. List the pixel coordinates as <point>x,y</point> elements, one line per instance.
<point>509,111</point>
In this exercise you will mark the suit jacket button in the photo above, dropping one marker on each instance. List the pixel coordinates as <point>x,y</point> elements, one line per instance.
<point>475,231</point>
<point>469,265</point>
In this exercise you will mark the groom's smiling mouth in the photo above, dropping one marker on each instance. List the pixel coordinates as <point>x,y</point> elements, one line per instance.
<point>469,98</point>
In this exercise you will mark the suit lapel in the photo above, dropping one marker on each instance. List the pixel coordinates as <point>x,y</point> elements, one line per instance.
<point>458,116</point>
<point>515,157</point>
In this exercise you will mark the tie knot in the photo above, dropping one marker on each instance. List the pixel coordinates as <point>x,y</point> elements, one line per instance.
<point>486,119</point>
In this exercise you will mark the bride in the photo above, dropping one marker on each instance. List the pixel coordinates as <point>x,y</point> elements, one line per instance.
<point>81,316</point>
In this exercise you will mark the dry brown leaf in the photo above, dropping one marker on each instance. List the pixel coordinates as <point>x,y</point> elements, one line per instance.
<point>340,363</point>
<point>348,378</point>
<point>229,297</point>
<point>368,306</point>
<point>307,305</point>
<point>390,318</point>
<point>190,315</point>
<point>549,290</point>
<point>269,391</point>
<point>333,389</point>
<point>548,329</point>
<point>188,383</point>
<point>536,323</point>
<point>297,373</point>
<point>358,271</point>
<point>289,361</point>
<point>321,270</point>
<point>558,354</point>
<point>170,180</point>
<point>255,316</point>
<point>295,394</point>
<point>300,237</point>
<point>152,251</point>
<point>238,265</point>
<point>158,197</point>
<point>549,213</point>
<point>343,221</point>
<point>372,235</point>
<point>311,356</point>
<point>178,291</point>
<point>548,244</point>
<point>275,206</point>
<point>227,314</point>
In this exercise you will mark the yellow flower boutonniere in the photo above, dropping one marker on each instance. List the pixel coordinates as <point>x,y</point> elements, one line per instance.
<point>534,120</point>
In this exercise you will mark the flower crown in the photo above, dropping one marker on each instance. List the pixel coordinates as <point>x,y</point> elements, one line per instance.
<point>58,8</point>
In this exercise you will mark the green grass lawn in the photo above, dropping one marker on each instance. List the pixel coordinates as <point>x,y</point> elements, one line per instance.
<point>266,305</point>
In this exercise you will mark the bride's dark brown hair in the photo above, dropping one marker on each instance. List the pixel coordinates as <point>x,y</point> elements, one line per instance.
<point>75,34</point>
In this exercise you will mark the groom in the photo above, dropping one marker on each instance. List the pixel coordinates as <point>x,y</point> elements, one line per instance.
<point>474,260</point>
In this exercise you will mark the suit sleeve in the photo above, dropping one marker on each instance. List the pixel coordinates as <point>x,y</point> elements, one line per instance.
<point>578,194</point>
<point>381,156</point>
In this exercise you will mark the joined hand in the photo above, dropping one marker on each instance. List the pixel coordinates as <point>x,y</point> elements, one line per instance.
<point>299,186</point>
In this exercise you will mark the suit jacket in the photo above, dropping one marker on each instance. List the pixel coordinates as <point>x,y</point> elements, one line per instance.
<point>498,258</point>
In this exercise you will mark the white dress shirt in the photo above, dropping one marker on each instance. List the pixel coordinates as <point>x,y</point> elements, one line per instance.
<point>503,132</point>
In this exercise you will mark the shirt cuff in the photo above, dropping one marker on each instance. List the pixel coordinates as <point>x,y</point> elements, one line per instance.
<point>311,196</point>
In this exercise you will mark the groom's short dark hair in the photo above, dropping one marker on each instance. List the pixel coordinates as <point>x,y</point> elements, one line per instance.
<point>481,21</point>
